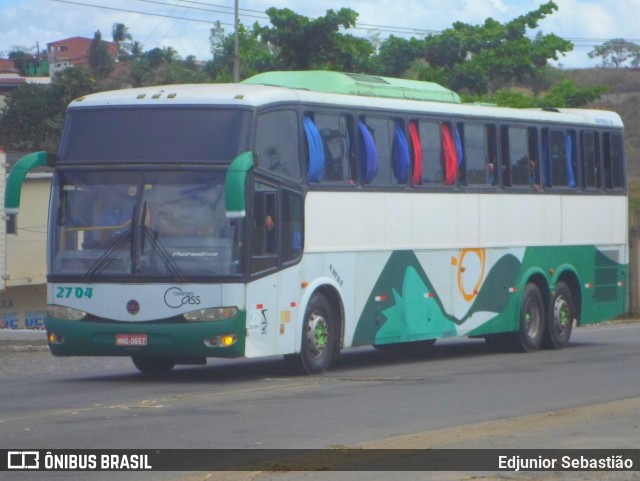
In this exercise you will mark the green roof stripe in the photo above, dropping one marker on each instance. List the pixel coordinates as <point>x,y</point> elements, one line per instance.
<point>356,84</point>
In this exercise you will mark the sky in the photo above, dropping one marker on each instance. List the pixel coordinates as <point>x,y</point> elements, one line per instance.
<point>185,24</point>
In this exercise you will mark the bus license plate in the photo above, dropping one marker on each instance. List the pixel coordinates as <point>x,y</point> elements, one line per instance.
<point>131,339</point>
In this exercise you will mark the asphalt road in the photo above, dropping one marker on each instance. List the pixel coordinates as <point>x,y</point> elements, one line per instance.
<point>457,394</point>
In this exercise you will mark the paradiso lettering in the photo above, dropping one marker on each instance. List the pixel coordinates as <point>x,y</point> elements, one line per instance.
<point>175,297</point>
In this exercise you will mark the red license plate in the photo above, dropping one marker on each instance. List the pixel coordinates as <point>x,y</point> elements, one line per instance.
<point>132,340</point>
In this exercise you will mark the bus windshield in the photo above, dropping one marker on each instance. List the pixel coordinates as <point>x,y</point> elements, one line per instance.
<point>165,225</point>
<point>156,134</point>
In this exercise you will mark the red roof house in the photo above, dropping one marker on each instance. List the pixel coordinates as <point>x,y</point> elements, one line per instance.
<point>72,52</point>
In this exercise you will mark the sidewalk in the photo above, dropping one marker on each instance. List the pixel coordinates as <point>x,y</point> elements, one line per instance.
<point>24,340</point>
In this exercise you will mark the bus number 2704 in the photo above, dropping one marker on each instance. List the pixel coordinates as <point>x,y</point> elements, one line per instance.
<point>77,292</point>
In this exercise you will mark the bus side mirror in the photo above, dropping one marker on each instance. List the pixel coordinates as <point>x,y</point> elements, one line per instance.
<point>235,186</point>
<point>17,176</point>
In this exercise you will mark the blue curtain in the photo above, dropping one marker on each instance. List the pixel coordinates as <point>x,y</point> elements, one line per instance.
<point>572,179</point>
<point>315,171</point>
<point>369,154</point>
<point>401,160</point>
<point>459,150</point>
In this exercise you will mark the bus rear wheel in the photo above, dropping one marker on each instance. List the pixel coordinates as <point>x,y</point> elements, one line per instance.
<point>153,365</point>
<point>528,337</point>
<point>319,336</point>
<point>559,318</point>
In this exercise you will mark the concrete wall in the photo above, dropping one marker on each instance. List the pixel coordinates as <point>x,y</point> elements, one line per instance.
<point>23,307</point>
<point>26,250</point>
<point>23,292</point>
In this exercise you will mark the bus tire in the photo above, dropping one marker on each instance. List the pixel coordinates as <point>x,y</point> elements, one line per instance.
<point>319,336</point>
<point>559,318</point>
<point>153,365</point>
<point>531,321</point>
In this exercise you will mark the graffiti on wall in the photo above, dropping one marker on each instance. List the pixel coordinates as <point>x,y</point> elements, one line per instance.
<point>12,317</point>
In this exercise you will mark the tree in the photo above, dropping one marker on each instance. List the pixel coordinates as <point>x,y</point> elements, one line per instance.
<point>485,57</point>
<point>100,61</point>
<point>142,73</point>
<point>302,44</point>
<point>256,55</point>
<point>21,59</point>
<point>169,54</point>
<point>154,57</point>
<point>565,94</point>
<point>476,58</point>
<point>23,121</point>
<point>120,34</point>
<point>397,54</point>
<point>137,50</point>
<point>616,52</point>
<point>33,115</point>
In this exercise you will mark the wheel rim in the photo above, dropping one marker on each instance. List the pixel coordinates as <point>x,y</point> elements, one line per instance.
<point>532,319</point>
<point>317,334</point>
<point>561,314</point>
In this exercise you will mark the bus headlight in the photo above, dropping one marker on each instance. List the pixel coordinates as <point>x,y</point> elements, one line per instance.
<point>213,314</point>
<point>66,313</point>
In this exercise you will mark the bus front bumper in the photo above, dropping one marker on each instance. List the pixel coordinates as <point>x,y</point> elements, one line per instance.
<point>224,338</point>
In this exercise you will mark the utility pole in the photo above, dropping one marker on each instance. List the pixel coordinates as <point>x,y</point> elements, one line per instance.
<point>236,48</point>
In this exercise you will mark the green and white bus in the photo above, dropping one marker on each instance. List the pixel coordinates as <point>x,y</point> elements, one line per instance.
<point>301,213</point>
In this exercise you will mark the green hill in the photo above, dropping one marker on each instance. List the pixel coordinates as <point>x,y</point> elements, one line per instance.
<point>624,98</point>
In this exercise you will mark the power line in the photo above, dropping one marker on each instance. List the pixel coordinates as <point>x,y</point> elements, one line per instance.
<point>224,6</point>
<point>138,12</point>
<point>584,42</point>
<point>264,17</point>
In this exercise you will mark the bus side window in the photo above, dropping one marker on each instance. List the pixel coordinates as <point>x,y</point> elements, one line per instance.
<point>591,166</point>
<point>292,226</point>
<point>382,131</point>
<point>516,171</point>
<point>432,156</point>
<point>562,158</point>
<point>277,143</point>
<point>264,228</point>
<point>337,147</point>
<point>478,150</point>
<point>613,162</point>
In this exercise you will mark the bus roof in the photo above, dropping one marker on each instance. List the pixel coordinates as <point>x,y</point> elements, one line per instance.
<point>257,95</point>
<point>356,84</point>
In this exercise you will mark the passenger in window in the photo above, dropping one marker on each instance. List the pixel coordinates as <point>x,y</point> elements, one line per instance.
<point>534,181</point>
<point>491,172</point>
<point>114,220</point>
<point>269,224</point>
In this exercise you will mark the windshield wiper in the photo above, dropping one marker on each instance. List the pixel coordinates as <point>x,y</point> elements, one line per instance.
<point>117,244</point>
<point>147,232</point>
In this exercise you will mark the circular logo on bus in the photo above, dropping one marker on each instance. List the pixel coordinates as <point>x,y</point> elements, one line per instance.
<point>133,307</point>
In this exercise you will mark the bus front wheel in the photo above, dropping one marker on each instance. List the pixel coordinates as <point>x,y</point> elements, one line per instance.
<point>153,365</point>
<point>559,318</point>
<point>531,325</point>
<point>319,336</point>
